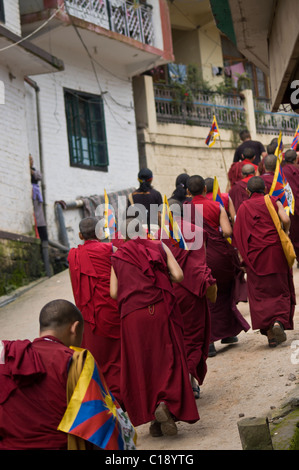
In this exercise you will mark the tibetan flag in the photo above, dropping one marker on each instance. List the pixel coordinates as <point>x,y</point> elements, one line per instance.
<point>281,189</point>
<point>170,226</point>
<point>216,192</point>
<point>278,151</point>
<point>93,414</point>
<point>110,225</point>
<point>296,139</point>
<point>214,132</point>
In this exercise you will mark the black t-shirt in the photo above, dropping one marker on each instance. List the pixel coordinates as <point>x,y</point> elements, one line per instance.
<point>151,197</point>
<point>255,145</point>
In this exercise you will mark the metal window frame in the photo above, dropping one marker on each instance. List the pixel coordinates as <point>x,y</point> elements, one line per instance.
<point>72,110</point>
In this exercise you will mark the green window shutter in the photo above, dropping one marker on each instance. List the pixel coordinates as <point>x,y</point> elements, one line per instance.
<point>86,130</point>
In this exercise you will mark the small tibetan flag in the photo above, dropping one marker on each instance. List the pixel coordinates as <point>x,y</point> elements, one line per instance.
<point>216,192</point>
<point>170,226</point>
<point>278,151</point>
<point>213,133</point>
<point>281,189</point>
<point>296,139</point>
<point>110,225</point>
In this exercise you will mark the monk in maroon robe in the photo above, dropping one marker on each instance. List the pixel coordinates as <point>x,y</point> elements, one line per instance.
<point>33,378</point>
<point>235,171</point>
<point>155,380</point>
<point>268,175</point>
<point>90,268</point>
<point>238,192</point>
<point>290,170</point>
<point>226,320</point>
<point>269,278</point>
<point>192,295</point>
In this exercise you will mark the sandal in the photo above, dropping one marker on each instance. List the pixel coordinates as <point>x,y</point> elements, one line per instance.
<point>272,342</point>
<point>278,331</point>
<point>196,392</point>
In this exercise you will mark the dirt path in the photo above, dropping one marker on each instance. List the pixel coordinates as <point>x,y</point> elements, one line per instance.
<point>243,380</point>
<point>247,378</point>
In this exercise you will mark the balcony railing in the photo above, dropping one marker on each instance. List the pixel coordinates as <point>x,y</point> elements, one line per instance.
<point>120,16</point>
<point>268,122</point>
<point>228,109</point>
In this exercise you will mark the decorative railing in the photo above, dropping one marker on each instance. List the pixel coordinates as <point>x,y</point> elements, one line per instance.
<point>199,110</point>
<point>125,17</point>
<point>268,122</point>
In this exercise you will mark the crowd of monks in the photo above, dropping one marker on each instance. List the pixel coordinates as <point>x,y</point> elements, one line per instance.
<point>152,310</point>
<point>163,307</point>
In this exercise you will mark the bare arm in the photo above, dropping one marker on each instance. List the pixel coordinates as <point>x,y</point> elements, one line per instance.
<point>113,284</point>
<point>176,273</point>
<point>285,219</point>
<point>225,223</point>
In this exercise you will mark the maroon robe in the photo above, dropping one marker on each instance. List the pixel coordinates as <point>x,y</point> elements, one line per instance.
<point>291,173</point>
<point>269,279</point>
<point>235,171</point>
<point>268,179</point>
<point>222,259</point>
<point>33,394</point>
<point>153,365</point>
<point>238,192</point>
<point>191,297</point>
<point>90,269</point>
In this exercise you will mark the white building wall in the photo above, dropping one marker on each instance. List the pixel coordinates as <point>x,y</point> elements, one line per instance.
<point>12,16</point>
<point>16,214</point>
<point>63,182</point>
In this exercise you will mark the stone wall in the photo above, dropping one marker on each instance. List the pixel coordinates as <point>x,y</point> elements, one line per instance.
<point>20,260</point>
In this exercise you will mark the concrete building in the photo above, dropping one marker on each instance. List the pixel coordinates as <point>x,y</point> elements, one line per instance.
<point>267,34</point>
<point>79,124</point>
<point>172,129</point>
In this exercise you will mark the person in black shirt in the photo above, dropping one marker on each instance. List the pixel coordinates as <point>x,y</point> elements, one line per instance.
<point>254,144</point>
<point>149,198</point>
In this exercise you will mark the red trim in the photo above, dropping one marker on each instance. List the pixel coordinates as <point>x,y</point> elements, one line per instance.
<point>166,31</point>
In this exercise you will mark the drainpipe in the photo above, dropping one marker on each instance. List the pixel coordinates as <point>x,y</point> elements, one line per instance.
<point>45,245</point>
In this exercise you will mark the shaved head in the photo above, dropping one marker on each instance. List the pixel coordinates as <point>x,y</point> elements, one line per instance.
<point>270,162</point>
<point>248,170</point>
<point>58,314</point>
<point>196,185</point>
<point>87,228</point>
<point>256,185</point>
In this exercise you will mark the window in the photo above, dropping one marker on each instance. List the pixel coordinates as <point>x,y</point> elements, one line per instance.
<point>2,15</point>
<point>86,130</point>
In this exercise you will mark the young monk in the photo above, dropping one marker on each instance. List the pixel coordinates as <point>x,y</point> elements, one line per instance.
<point>90,267</point>
<point>38,381</point>
<point>155,383</point>
<point>226,320</point>
<point>193,293</point>
<point>269,278</point>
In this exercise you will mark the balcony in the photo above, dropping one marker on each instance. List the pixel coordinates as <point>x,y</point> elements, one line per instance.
<point>198,110</point>
<point>268,122</point>
<point>121,16</point>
